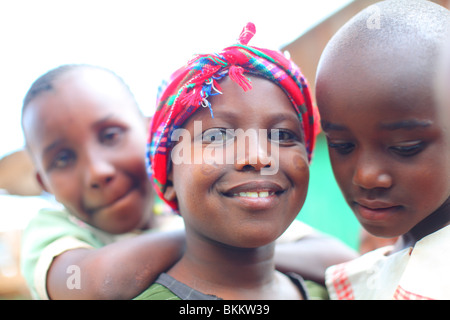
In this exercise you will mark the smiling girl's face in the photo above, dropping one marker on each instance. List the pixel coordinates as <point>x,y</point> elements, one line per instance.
<point>233,203</point>
<point>88,142</point>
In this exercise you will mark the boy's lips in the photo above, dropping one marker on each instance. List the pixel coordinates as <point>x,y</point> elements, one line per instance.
<point>375,209</point>
<point>109,203</point>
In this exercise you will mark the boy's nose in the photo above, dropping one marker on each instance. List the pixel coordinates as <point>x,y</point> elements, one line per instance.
<point>370,174</point>
<point>99,173</point>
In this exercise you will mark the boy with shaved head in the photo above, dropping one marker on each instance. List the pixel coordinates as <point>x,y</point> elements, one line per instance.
<point>389,143</point>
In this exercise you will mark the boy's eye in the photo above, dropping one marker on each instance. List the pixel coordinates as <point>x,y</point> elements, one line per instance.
<point>282,136</point>
<point>111,135</point>
<point>342,148</point>
<point>217,136</point>
<point>408,150</point>
<point>63,159</point>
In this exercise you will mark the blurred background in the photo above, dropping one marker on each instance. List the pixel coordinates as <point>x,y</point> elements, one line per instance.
<point>143,42</point>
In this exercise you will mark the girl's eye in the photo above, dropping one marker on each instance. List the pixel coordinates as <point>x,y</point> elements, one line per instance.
<point>217,136</point>
<point>408,150</point>
<point>282,136</point>
<point>111,135</point>
<point>342,148</point>
<point>63,159</point>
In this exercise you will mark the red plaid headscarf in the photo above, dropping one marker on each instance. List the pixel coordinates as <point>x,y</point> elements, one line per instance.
<point>190,87</point>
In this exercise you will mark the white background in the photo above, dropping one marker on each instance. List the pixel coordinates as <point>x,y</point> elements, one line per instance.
<point>143,41</point>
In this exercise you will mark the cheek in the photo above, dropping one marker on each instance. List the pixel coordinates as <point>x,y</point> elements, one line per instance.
<point>301,168</point>
<point>135,147</point>
<point>208,169</point>
<point>191,185</point>
<point>429,186</point>
<point>298,172</point>
<point>60,187</point>
<point>135,163</point>
<point>67,190</point>
<point>131,158</point>
<point>191,181</point>
<point>343,172</point>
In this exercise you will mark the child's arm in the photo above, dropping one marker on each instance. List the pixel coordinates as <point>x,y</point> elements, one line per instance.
<point>120,270</point>
<point>311,255</point>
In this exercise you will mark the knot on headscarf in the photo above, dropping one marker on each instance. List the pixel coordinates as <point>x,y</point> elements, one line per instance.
<point>190,87</point>
<point>236,74</point>
<point>247,33</point>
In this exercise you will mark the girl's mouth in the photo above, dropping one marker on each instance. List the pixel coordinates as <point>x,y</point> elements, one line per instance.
<point>254,189</point>
<point>255,195</point>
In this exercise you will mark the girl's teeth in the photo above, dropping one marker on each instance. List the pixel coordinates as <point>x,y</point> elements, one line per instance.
<point>262,194</point>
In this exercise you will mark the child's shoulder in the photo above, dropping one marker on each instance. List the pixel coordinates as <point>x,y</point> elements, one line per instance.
<point>52,223</point>
<point>421,271</point>
<point>53,218</point>
<point>348,280</point>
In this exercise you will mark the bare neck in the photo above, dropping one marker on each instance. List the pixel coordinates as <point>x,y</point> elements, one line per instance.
<point>230,272</point>
<point>435,221</point>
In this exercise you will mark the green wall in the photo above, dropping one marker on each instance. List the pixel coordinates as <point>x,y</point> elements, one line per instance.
<point>325,208</point>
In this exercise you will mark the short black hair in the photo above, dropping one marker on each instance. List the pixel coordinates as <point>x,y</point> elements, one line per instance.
<point>419,26</point>
<point>47,81</point>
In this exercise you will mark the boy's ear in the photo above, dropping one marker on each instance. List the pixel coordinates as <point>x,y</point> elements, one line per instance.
<point>41,183</point>
<point>169,192</point>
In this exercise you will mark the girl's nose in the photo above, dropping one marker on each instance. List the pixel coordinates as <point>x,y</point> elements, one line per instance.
<point>253,153</point>
<point>253,163</point>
